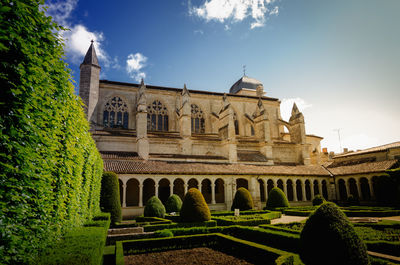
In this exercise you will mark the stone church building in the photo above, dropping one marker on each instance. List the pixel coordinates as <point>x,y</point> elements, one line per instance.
<point>164,140</point>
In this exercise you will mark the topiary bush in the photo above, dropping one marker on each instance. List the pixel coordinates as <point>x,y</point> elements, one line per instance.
<point>329,238</point>
<point>194,207</point>
<point>173,204</point>
<point>318,200</point>
<point>353,200</point>
<point>277,198</point>
<point>154,208</point>
<point>109,196</point>
<point>242,200</point>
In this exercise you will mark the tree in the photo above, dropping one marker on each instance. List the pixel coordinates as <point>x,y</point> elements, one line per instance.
<point>109,196</point>
<point>277,198</point>
<point>242,200</point>
<point>154,208</point>
<point>173,204</point>
<point>194,207</point>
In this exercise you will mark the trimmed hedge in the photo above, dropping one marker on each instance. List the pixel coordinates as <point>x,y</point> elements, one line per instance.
<point>154,208</point>
<point>158,220</point>
<point>194,207</point>
<point>83,245</point>
<point>49,166</point>
<point>242,200</point>
<point>225,213</point>
<point>151,228</point>
<point>318,200</point>
<point>173,204</point>
<point>329,238</point>
<point>385,247</point>
<point>109,196</point>
<point>247,220</point>
<point>277,199</point>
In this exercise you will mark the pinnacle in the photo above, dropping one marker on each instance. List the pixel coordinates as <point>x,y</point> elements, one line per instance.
<point>91,57</point>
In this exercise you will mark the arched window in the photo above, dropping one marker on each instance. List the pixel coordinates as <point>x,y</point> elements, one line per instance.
<point>197,120</point>
<point>116,114</point>
<point>236,122</point>
<point>157,117</point>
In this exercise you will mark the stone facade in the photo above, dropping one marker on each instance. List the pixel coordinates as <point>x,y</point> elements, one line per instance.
<point>163,140</point>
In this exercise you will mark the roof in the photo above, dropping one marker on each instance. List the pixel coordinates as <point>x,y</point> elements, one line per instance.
<point>180,90</point>
<point>372,149</point>
<point>91,57</point>
<point>244,82</point>
<point>251,156</point>
<point>368,167</point>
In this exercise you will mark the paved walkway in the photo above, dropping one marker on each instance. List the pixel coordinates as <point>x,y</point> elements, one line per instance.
<point>285,219</point>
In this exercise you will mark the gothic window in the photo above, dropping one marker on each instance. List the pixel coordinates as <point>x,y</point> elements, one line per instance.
<point>116,114</point>
<point>236,122</point>
<point>157,117</point>
<point>198,124</point>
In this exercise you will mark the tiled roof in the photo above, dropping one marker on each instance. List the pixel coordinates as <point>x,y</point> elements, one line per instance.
<point>372,149</point>
<point>119,155</point>
<point>368,167</point>
<point>246,156</point>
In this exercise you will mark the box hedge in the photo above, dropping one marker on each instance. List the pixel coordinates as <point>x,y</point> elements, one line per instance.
<point>49,165</point>
<point>154,208</point>
<point>276,199</point>
<point>242,200</point>
<point>109,196</point>
<point>194,207</point>
<point>173,204</point>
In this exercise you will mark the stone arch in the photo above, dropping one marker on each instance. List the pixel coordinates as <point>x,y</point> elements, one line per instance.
<point>308,190</point>
<point>132,192</point>
<point>289,188</point>
<point>342,190</point>
<point>299,190</point>
<point>316,187</point>
<point>116,113</point>
<point>149,190</point>
<point>206,189</point>
<point>193,183</point>
<point>279,184</point>
<point>157,116</point>
<point>353,187</point>
<point>121,186</point>
<point>219,191</point>
<point>262,189</point>
<point>179,188</point>
<point>241,182</point>
<point>270,185</point>
<point>366,193</point>
<point>163,190</point>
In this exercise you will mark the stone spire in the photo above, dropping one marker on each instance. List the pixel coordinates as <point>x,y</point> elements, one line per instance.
<point>297,116</point>
<point>91,57</point>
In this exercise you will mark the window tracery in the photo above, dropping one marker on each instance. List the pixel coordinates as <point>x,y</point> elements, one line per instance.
<point>197,121</point>
<point>157,117</point>
<point>116,114</point>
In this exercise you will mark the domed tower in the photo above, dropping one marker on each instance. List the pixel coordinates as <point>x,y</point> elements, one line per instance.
<point>247,86</point>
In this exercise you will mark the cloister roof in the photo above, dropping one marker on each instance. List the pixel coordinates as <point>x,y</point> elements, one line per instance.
<point>368,167</point>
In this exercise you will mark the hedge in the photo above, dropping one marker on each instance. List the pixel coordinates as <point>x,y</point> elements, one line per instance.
<point>385,247</point>
<point>50,169</point>
<point>82,245</point>
<point>109,196</point>
<point>255,221</point>
<point>224,213</point>
<point>253,252</point>
<point>154,208</point>
<point>194,207</point>
<point>158,220</point>
<point>151,228</point>
<point>242,200</point>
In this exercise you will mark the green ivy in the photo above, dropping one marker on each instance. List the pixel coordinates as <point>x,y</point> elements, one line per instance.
<point>50,169</point>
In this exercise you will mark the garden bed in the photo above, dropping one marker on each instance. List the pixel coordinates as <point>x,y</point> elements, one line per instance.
<point>247,220</point>
<point>352,211</point>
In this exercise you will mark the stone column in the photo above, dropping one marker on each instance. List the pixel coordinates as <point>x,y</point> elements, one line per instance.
<point>285,188</point>
<point>265,189</point>
<point>337,191</point>
<point>171,188</point>
<point>358,183</point>
<point>348,188</point>
<point>371,189</point>
<point>156,189</point>
<point>140,195</point>
<point>312,189</point>
<point>320,188</point>
<point>185,185</point>
<point>123,194</point>
<point>213,192</point>
<point>294,191</point>
<point>303,189</point>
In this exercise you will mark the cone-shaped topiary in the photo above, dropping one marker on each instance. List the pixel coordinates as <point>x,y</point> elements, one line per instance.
<point>277,198</point>
<point>242,200</point>
<point>154,208</point>
<point>318,200</point>
<point>109,196</point>
<point>194,207</point>
<point>173,204</point>
<point>329,238</point>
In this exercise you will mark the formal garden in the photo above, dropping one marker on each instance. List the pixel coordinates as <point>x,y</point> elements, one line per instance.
<point>59,207</point>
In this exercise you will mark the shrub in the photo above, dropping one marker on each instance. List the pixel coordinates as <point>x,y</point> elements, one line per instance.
<point>318,200</point>
<point>329,238</point>
<point>164,233</point>
<point>109,196</point>
<point>353,200</point>
<point>194,207</point>
<point>277,198</point>
<point>242,200</point>
<point>173,204</point>
<point>154,208</point>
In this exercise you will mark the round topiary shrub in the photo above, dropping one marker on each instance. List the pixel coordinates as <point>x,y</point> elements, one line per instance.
<point>154,208</point>
<point>109,196</point>
<point>173,204</point>
<point>329,238</point>
<point>318,200</point>
<point>242,200</point>
<point>194,207</point>
<point>277,198</point>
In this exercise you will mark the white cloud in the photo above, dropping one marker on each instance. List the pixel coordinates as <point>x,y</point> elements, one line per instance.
<point>61,10</point>
<point>235,10</point>
<point>198,31</point>
<point>134,65</point>
<point>287,105</point>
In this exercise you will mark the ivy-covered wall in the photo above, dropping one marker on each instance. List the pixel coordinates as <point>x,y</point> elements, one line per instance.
<point>50,169</point>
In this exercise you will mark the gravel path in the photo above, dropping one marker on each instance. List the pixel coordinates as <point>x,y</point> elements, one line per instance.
<point>285,219</point>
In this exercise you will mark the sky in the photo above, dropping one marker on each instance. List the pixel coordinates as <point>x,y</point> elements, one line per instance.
<point>338,60</point>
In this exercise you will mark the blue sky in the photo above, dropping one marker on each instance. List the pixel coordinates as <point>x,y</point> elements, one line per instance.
<point>338,60</point>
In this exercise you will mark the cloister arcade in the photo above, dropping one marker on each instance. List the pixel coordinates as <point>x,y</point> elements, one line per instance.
<point>361,187</point>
